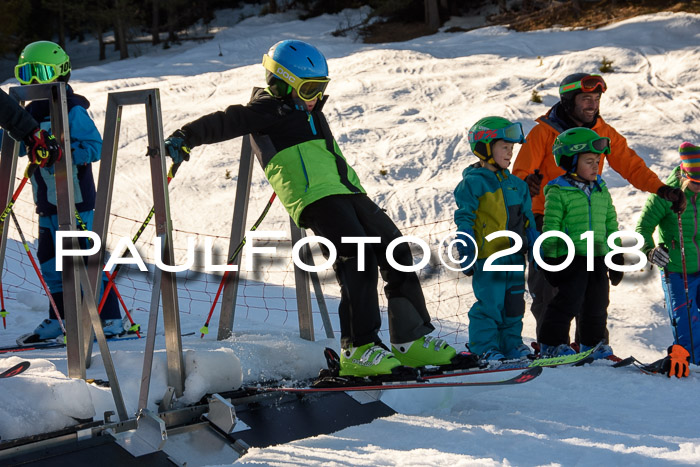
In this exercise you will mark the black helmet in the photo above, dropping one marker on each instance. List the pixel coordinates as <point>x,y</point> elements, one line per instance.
<point>575,84</point>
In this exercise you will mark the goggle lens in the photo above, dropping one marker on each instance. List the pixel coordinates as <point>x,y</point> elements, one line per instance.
<point>593,83</point>
<point>312,89</point>
<point>40,72</point>
<point>601,145</point>
<point>513,133</point>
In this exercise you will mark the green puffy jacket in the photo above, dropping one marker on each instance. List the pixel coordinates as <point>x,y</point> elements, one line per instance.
<point>657,213</point>
<point>570,210</point>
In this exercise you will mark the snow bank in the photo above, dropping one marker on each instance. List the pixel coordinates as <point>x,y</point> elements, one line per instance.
<point>209,372</point>
<point>41,399</point>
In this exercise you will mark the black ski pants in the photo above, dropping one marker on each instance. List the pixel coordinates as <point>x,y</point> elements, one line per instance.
<point>337,216</point>
<point>582,294</point>
<point>542,293</point>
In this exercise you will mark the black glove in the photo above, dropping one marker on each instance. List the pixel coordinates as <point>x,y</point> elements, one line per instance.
<point>659,256</point>
<point>616,276</point>
<point>42,148</point>
<point>533,182</point>
<point>676,364</point>
<point>177,147</point>
<point>675,196</point>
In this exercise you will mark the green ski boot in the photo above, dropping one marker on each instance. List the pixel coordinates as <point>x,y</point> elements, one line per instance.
<point>425,351</point>
<point>367,360</point>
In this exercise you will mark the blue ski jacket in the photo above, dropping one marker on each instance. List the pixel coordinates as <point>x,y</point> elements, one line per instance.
<point>85,144</point>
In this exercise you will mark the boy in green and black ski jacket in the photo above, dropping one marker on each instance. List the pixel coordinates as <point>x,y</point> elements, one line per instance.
<point>575,203</point>
<point>322,192</point>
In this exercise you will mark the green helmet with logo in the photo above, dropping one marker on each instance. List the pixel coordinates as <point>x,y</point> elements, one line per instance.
<point>488,130</point>
<point>574,141</point>
<point>42,62</point>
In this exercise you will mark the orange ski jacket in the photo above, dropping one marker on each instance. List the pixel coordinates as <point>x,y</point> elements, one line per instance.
<point>536,153</point>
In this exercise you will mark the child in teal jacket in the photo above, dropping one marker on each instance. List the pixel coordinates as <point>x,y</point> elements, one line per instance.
<point>575,203</point>
<point>490,199</point>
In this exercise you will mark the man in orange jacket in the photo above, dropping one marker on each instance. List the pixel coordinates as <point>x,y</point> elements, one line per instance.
<point>579,105</point>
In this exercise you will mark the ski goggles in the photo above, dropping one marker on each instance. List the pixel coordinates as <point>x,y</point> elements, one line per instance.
<point>511,134</point>
<point>591,83</point>
<point>40,72</point>
<point>596,146</point>
<point>307,89</point>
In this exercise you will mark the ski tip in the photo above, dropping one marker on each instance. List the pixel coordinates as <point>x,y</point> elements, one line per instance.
<point>531,372</point>
<point>15,370</point>
<point>584,361</point>
<point>624,362</point>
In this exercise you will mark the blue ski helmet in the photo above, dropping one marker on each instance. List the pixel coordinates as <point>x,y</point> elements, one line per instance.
<point>292,62</point>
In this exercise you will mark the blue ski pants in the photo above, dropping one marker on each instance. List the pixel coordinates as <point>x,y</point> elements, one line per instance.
<point>496,319</point>
<point>684,326</point>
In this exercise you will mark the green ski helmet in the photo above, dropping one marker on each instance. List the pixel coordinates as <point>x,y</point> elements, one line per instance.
<point>488,130</point>
<point>42,62</point>
<point>575,141</point>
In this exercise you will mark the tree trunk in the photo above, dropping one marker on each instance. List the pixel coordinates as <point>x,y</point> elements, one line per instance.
<point>576,5</point>
<point>172,37</point>
<point>61,25</point>
<point>432,14</point>
<point>120,32</point>
<point>272,6</point>
<point>155,24</point>
<point>102,45</point>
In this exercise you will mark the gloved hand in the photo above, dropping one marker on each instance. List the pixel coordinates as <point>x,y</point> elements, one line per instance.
<point>177,147</point>
<point>659,256</point>
<point>467,251</point>
<point>534,181</point>
<point>676,364</point>
<point>616,276</point>
<point>42,148</point>
<point>675,196</point>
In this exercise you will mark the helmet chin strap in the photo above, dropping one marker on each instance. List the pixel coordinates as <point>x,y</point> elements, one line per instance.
<point>490,160</point>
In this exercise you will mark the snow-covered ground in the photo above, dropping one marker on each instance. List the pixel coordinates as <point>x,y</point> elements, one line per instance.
<point>399,112</point>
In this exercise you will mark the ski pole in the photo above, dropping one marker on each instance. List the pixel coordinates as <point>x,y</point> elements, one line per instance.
<point>39,274</point>
<point>28,172</point>
<point>205,329</point>
<point>685,286</point>
<point>133,327</point>
<point>3,311</point>
<point>171,174</point>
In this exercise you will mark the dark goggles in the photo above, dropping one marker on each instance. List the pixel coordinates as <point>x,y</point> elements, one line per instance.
<point>591,83</point>
<point>597,146</point>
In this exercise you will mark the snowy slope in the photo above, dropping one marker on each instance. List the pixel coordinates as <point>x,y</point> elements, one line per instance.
<point>403,108</point>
